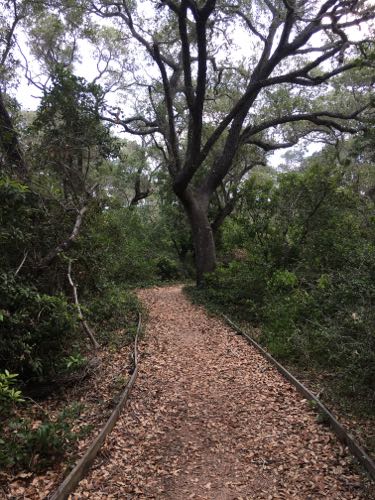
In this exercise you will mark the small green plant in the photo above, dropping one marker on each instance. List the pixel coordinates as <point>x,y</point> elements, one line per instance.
<point>119,382</point>
<point>283,280</point>
<point>74,362</point>
<point>9,395</point>
<point>313,404</point>
<point>23,443</point>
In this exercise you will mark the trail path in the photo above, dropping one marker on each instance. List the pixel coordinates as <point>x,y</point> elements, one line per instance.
<point>209,418</point>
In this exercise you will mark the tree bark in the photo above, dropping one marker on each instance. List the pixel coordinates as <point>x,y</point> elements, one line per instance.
<point>138,193</point>
<point>203,238</point>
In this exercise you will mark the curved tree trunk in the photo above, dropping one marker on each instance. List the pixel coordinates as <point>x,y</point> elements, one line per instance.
<point>203,238</point>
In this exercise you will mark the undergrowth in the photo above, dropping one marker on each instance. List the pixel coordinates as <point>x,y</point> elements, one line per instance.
<point>31,439</point>
<point>37,443</point>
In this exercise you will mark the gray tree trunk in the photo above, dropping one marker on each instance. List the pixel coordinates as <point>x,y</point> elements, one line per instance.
<point>203,239</point>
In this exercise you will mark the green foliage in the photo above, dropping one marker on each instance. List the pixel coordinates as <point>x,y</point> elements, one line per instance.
<point>115,314</point>
<point>167,269</point>
<point>237,288</point>
<point>35,330</point>
<point>36,445</point>
<point>68,133</point>
<point>70,110</point>
<point>74,361</point>
<point>302,265</point>
<point>15,218</point>
<point>127,246</point>
<point>9,395</point>
<point>283,280</point>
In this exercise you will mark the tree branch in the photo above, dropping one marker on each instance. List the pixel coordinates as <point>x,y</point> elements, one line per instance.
<point>66,244</point>
<point>186,59</point>
<point>172,144</point>
<point>223,213</point>
<point>250,25</point>
<point>104,12</point>
<point>9,36</point>
<point>22,263</point>
<point>116,120</point>
<point>81,318</point>
<point>318,118</point>
<point>138,193</point>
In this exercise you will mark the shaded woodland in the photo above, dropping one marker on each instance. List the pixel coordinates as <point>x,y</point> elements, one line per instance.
<point>148,157</point>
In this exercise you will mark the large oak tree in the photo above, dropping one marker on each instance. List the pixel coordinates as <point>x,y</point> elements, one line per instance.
<point>233,75</point>
<point>216,85</point>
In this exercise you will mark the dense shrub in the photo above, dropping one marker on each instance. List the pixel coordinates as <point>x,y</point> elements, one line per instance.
<point>113,311</point>
<point>35,328</point>
<point>35,446</point>
<point>167,269</point>
<point>306,275</point>
<point>126,247</point>
<point>238,288</point>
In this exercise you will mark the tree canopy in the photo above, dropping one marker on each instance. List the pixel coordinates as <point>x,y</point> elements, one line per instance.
<point>232,79</point>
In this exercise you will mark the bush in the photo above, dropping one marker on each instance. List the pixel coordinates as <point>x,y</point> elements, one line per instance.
<point>167,269</point>
<point>237,288</point>
<point>115,315</point>
<point>123,250</point>
<point>36,445</point>
<point>9,394</point>
<point>35,328</point>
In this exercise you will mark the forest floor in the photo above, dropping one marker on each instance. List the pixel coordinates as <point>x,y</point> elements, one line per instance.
<point>209,418</point>
<point>96,395</point>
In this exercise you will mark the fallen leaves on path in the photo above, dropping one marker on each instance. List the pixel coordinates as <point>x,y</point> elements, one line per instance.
<point>209,418</point>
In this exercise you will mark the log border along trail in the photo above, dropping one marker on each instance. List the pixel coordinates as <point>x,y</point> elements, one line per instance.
<point>211,418</point>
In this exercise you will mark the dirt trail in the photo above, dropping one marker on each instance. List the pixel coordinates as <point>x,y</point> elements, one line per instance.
<point>209,418</point>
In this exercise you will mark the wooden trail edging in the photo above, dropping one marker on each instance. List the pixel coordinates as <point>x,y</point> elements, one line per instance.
<point>77,473</point>
<point>337,428</point>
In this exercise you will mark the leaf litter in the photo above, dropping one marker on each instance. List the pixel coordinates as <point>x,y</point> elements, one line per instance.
<point>209,418</point>
<point>97,395</point>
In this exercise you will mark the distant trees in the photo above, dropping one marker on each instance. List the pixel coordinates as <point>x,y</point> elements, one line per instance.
<point>231,79</point>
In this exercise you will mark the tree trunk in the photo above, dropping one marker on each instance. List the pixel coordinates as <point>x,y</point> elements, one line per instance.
<point>203,239</point>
